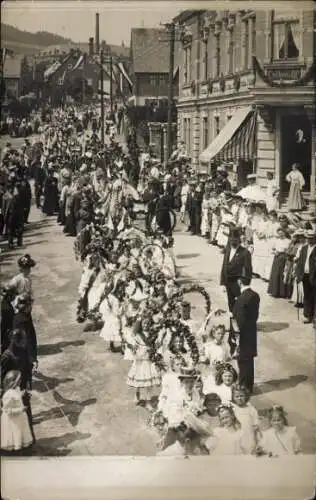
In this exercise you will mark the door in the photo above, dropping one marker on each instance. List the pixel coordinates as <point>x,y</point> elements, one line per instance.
<point>296,134</point>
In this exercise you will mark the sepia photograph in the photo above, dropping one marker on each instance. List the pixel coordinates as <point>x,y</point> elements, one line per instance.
<point>158,249</point>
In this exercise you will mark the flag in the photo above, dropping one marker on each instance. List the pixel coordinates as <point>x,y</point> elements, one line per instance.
<point>79,63</point>
<point>122,70</point>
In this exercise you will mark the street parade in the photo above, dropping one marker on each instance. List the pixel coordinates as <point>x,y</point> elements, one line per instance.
<point>194,380</point>
<point>157,240</point>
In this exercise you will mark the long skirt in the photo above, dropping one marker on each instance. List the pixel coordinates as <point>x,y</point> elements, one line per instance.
<point>277,287</point>
<point>295,200</point>
<point>215,226</point>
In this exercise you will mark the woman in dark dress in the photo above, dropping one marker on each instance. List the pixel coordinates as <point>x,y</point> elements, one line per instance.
<point>277,286</point>
<point>50,205</point>
<point>163,207</point>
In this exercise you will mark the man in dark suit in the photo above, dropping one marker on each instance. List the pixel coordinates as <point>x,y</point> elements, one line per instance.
<point>306,273</point>
<point>236,262</point>
<point>245,316</point>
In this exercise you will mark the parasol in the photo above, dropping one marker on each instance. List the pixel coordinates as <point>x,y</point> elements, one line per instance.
<point>253,193</point>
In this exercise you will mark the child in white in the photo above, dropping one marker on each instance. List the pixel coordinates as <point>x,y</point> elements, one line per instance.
<point>247,416</point>
<point>225,377</point>
<point>215,350</point>
<point>279,439</point>
<point>15,429</point>
<point>228,438</point>
<point>170,387</point>
<point>143,373</point>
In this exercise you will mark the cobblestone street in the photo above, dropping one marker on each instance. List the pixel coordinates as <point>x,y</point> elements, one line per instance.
<point>81,403</point>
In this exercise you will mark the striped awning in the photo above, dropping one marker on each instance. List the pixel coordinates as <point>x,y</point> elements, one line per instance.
<point>235,141</point>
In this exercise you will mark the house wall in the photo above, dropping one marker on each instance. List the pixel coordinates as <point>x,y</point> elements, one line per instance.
<point>207,99</point>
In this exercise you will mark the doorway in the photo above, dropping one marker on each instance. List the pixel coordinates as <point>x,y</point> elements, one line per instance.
<point>296,134</point>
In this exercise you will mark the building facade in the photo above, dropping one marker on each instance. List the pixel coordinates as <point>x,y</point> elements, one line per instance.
<point>149,67</point>
<point>246,92</point>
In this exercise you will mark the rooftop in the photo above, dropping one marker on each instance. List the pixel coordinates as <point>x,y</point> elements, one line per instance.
<point>150,50</point>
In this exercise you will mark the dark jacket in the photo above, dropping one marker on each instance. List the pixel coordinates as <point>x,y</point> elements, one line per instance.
<point>301,265</point>
<point>240,265</point>
<point>246,312</point>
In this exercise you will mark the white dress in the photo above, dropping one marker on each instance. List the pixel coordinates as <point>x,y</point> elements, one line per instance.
<point>223,391</point>
<point>205,226</point>
<point>271,198</point>
<point>248,418</point>
<point>214,353</point>
<point>143,373</point>
<point>225,442</point>
<point>170,387</point>
<point>94,294</point>
<point>260,248</point>
<point>15,429</point>
<point>110,312</point>
<point>286,442</point>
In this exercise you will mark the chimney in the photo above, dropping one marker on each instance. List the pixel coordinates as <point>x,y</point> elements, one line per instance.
<point>91,47</point>
<point>97,33</point>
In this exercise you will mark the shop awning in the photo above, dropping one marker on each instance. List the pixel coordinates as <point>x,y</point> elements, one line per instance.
<point>235,141</point>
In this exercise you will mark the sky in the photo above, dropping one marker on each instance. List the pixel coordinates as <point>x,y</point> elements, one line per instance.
<point>76,19</point>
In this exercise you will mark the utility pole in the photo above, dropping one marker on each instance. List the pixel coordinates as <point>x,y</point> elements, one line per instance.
<point>102,97</point>
<point>171,29</point>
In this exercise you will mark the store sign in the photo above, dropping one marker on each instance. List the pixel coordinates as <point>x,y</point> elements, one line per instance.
<point>285,74</point>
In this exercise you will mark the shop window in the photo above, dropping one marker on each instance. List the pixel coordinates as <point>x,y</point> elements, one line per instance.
<point>286,40</point>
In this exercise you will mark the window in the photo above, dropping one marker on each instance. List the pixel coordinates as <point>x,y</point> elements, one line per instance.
<point>253,35</point>
<point>60,81</point>
<point>216,125</point>
<point>246,44</point>
<point>205,132</point>
<point>231,50</point>
<point>187,65</point>
<point>205,62</point>
<point>187,133</point>
<point>218,54</point>
<point>152,80</point>
<point>285,40</point>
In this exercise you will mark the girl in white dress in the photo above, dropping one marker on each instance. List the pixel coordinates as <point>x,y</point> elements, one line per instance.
<point>247,416</point>
<point>215,350</point>
<point>225,377</point>
<point>15,428</point>
<point>280,439</point>
<point>228,438</point>
<point>143,374</point>
<point>170,386</point>
<point>111,315</point>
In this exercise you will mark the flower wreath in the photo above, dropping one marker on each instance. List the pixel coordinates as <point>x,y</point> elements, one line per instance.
<point>196,289</point>
<point>178,328</point>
